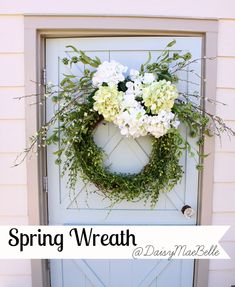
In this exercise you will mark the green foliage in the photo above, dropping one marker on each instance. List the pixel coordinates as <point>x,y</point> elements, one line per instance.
<point>71,129</point>
<point>85,158</point>
<point>161,66</point>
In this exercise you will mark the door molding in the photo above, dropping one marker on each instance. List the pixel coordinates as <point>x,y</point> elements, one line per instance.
<point>37,28</point>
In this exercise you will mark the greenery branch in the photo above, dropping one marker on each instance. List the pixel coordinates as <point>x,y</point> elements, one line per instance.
<point>71,130</point>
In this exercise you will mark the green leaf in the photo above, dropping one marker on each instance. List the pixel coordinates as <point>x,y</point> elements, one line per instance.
<point>199,167</point>
<point>165,55</point>
<point>73,48</point>
<point>84,58</point>
<point>58,161</point>
<point>69,76</point>
<point>149,59</point>
<point>97,60</point>
<point>58,152</point>
<point>202,155</point>
<point>142,69</point>
<point>172,43</point>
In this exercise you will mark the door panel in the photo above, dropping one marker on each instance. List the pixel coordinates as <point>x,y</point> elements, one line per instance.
<point>124,155</point>
<point>113,273</point>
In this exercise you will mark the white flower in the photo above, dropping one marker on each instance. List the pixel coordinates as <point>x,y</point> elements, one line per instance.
<point>160,124</point>
<point>134,88</point>
<point>130,88</point>
<point>110,73</point>
<point>145,107</point>
<point>129,102</point>
<point>148,78</point>
<point>131,121</point>
<point>134,74</point>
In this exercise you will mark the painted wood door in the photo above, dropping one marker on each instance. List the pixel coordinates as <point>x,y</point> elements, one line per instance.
<point>124,155</point>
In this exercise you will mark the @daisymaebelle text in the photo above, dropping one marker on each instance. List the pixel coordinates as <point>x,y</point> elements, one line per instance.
<point>178,251</point>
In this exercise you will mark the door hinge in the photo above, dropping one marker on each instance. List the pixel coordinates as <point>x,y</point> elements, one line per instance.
<point>45,184</point>
<point>48,264</point>
<point>44,77</point>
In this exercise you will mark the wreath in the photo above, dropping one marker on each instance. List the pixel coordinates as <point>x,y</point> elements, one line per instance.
<point>160,174</point>
<point>141,102</point>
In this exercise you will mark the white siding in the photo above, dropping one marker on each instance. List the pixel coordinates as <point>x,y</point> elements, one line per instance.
<point>172,8</point>
<point>13,189</point>
<point>222,272</point>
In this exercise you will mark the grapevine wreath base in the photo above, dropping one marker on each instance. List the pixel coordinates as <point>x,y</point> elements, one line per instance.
<point>160,174</point>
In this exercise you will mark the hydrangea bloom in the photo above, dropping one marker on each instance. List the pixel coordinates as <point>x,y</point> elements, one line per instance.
<point>134,75</point>
<point>107,102</point>
<point>131,121</point>
<point>148,78</point>
<point>160,124</point>
<point>159,96</point>
<point>134,88</point>
<point>130,111</point>
<point>110,73</point>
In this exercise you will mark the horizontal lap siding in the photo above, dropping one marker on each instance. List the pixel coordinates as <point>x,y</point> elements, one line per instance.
<point>15,280</point>
<point>10,107</point>
<point>170,8</point>
<point>222,272</point>
<point>13,189</point>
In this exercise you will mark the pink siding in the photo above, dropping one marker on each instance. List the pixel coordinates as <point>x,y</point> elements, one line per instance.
<point>13,204</point>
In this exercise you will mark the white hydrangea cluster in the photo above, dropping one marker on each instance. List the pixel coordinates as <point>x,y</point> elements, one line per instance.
<point>147,78</point>
<point>145,107</point>
<point>159,125</point>
<point>132,117</point>
<point>132,122</point>
<point>135,122</point>
<point>110,73</point>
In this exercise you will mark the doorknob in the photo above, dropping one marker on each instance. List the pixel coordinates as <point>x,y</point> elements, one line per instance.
<point>188,211</point>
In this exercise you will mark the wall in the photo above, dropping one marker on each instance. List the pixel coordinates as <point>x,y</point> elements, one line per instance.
<point>223,272</point>
<point>13,204</point>
<point>13,192</point>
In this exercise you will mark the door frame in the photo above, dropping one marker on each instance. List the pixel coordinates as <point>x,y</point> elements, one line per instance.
<point>37,29</point>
